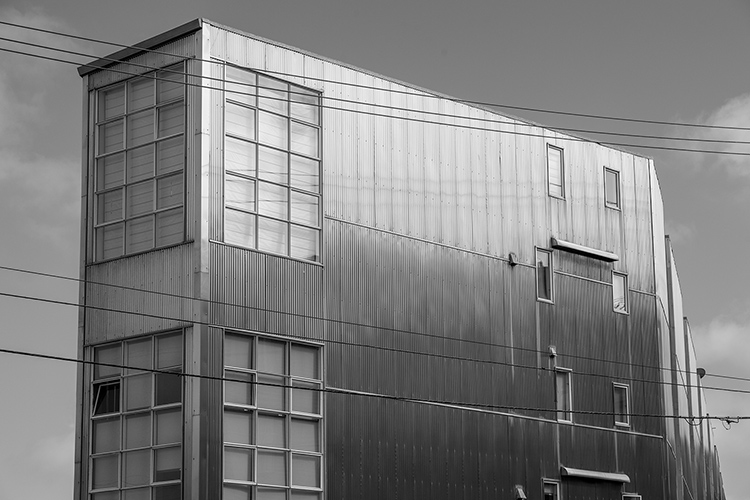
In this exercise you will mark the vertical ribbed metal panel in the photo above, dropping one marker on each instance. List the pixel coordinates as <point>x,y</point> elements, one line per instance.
<point>215,129</point>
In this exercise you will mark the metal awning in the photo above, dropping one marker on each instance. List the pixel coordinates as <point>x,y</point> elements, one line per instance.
<point>616,477</point>
<point>584,250</point>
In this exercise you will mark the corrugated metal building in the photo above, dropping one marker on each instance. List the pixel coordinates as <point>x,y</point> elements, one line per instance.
<point>307,281</point>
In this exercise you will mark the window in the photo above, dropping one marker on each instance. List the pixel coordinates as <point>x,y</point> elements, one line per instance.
<point>629,496</point>
<point>271,165</point>
<point>272,419</point>
<point>620,292</point>
<point>611,188</point>
<point>564,396</point>
<point>621,405</point>
<point>139,164</point>
<point>136,420</point>
<point>551,490</point>
<point>555,171</point>
<point>544,274</point>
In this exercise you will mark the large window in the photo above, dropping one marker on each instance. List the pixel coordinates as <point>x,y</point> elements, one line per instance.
<point>555,171</point>
<point>140,157</point>
<point>564,395</point>
<point>544,288</point>
<point>271,165</point>
<point>136,420</point>
<point>272,419</point>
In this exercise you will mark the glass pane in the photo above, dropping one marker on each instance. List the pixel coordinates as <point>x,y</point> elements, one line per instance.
<point>563,395</point>
<point>239,228</point>
<point>106,495</point>
<point>272,431</point>
<point>169,191</point>
<point>170,119</point>
<point>305,243</point>
<point>271,392</point>
<point>238,427</point>
<point>106,435</point>
<point>167,464</point>
<point>110,354</point>
<point>240,121</point>
<point>168,426</point>
<point>272,467</point>
<point>111,102</point>
<point>109,240</point>
<point>137,494</point>
<point>271,356</point>
<point>271,494</point>
<point>611,188</point>
<point>139,234</point>
<point>110,171</point>
<point>239,156</point>
<point>305,173</point>
<point>543,275</point>
<point>138,430</point>
<point>272,200</point>
<point>305,208</point>
<point>305,470</point>
<point>304,105</point>
<point>138,392</point>
<point>138,354</point>
<point>238,464</point>
<point>272,95</point>
<point>304,399</point>
<point>141,163</point>
<point>272,130</point>
<point>239,192</point>
<point>238,351</point>
<point>272,164</point>
<point>140,128</point>
<point>272,236</point>
<point>168,492</point>
<point>240,392</point>
<point>140,198</point>
<point>110,137</point>
<point>619,297</point>
<point>169,227</point>
<point>169,351</point>
<point>554,171</point>
<point>109,206</point>
<point>305,435</point>
<point>305,361</point>
<point>106,398</point>
<point>168,388</point>
<point>304,139</point>
<point>169,83</point>
<point>141,94</point>
<point>245,85</point>
<point>170,155</point>
<point>136,467</point>
<point>104,474</point>
<point>305,495</point>
<point>621,405</point>
<point>237,492</point>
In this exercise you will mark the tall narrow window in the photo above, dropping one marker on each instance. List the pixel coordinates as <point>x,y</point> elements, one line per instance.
<point>551,490</point>
<point>139,162</point>
<point>620,292</point>
<point>271,165</point>
<point>555,171</point>
<point>621,405</point>
<point>564,395</point>
<point>544,273</point>
<point>611,188</point>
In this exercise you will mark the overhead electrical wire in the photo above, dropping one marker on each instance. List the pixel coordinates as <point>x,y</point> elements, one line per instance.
<point>351,84</point>
<point>351,392</point>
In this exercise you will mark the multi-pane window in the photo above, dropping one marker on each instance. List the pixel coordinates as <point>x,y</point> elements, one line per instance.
<point>611,188</point>
<point>272,419</point>
<point>621,405</point>
<point>140,157</point>
<point>136,420</point>
<point>551,490</point>
<point>564,395</point>
<point>271,165</point>
<point>555,171</point>
<point>620,292</point>
<point>544,274</point>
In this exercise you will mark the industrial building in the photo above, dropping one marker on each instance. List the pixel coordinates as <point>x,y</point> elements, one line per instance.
<point>306,281</point>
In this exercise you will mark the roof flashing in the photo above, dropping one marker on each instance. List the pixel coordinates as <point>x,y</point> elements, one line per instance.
<point>584,250</point>
<point>616,477</point>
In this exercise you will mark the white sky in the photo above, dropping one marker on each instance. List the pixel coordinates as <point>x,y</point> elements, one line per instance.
<point>677,60</point>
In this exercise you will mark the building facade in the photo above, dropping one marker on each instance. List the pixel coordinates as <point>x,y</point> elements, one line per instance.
<point>307,281</point>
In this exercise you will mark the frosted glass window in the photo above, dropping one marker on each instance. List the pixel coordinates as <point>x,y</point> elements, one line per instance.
<point>305,243</point>
<point>273,165</point>
<point>241,391</point>
<point>271,494</point>
<point>305,173</point>
<point>110,206</point>
<point>110,137</point>
<point>238,464</point>
<point>136,468</point>
<point>271,356</point>
<point>555,171</point>
<point>619,293</point>
<point>141,163</point>
<point>106,435</point>
<point>140,198</point>
<point>170,119</point>
<point>272,130</point>
<point>111,102</point>
<point>169,191</point>
<point>169,227</point>
<point>168,426</point>
<point>239,156</point>
<point>104,472</point>
<point>138,392</point>
<point>272,95</point>
<point>238,427</point>
<point>305,470</point>
<point>141,94</point>
<point>305,208</point>
<point>110,171</point>
<point>240,121</point>
<point>304,139</point>
<point>271,392</point>
<point>139,235</point>
<point>140,128</point>
<point>305,495</point>
<point>272,236</point>
<point>170,155</point>
<point>239,193</point>
<point>237,492</point>
<point>305,397</point>
<point>238,351</point>
<point>239,228</point>
<point>305,435</point>
<point>138,430</point>
<point>271,431</point>
<point>111,354</point>
<point>109,241</point>
<point>136,494</point>
<point>304,361</point>
<point>170,83</point>
<point>240,86</point>
<point>272,467</point>
<point>106,495</point>
<point>169,351</point>
<point>167,464</point>
<point>305,105</point>
<point>138,355</point>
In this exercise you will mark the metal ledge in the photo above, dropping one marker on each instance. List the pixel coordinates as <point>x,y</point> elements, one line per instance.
<point>584,250</point>
<point>594,474</point>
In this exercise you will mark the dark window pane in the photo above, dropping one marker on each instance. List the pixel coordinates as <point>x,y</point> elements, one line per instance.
<point>106,398</point>
<point>169,492</point>
<point>168,388</point>
<point>169,351</point>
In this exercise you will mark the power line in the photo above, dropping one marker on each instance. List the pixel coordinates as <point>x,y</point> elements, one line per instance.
<point>351,84</point>
<point>350,392</point>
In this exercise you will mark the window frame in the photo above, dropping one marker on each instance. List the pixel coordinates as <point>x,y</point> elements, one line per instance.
<point>550,185</point>
<point>625,423</point>
<point>550,298</point>
<point>625,290</point>
<point>561,412</point>
<point>615,176</point>
<point>631,496</point>
<point>551,482</point>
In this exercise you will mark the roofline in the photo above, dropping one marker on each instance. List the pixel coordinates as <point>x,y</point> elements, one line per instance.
<point>145,45</point>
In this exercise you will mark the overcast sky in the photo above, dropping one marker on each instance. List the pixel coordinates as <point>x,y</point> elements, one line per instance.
<point>673,60</point>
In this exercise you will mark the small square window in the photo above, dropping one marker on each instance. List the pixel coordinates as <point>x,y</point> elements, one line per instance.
<point>628,496</point>
<point>620,293</point>
<point>551,490</point>
<point>621,405</point>
<point>544,275</point>
<point>555,171</point>
<point>611,188</point>
<point>564,395</point>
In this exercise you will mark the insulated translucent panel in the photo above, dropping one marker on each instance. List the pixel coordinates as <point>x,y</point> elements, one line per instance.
<point>109,206</point>
<point>271,392</point>
<point>239,228</point>
<point>305,243</point>
<point>271,494</point>
<point>272,467</point>
<point>239,389</point>
<point>305,361</point>
<point>239,156</point>
<point>140,94</point>
<point>167,464</point>
<point>273,165</point>
<point>106,435</point>
<point>140,198</point>
<point>272,95</point>
<point>110,171</point>
<point>238,463</point>
<point>169,83</point>
<point>140,128</point>
<point>139,234</point>
<point>137,494</point>
<point>304,139</point>
<point>109,241</point>
<point>171,119</point>
<point>305,397</point>
<point>240,121</point>
<point>169,351</point>
<point>136,468</point>
<point>272,200</point>
<point>271,430</point>
<point>305,105</point>
<point>106,495</point>
<point>305,470</point>
<point>169,191</point>
<point>240,85</point>
<point>305,173</point>
<point>305,495</point>
<point>110,354</point>
<point>238,427</point>
<point>137,392</point>
<point>305,435</point>
<point>239,193</point>
<point>110,136</point>
<point>140,163</point>
<point>138,354</point>
<point>170,155</point>
<point>168,388</point>
<point>169,227</point>
<point>272,130</point>
<point>305,208</point>
<point>238,351</point>
<point>237,492</point>
<point>168,426</point>
<point>271,356</point>
<point>104,472</point>
<point>137,430</point>
<point>111,102</point>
